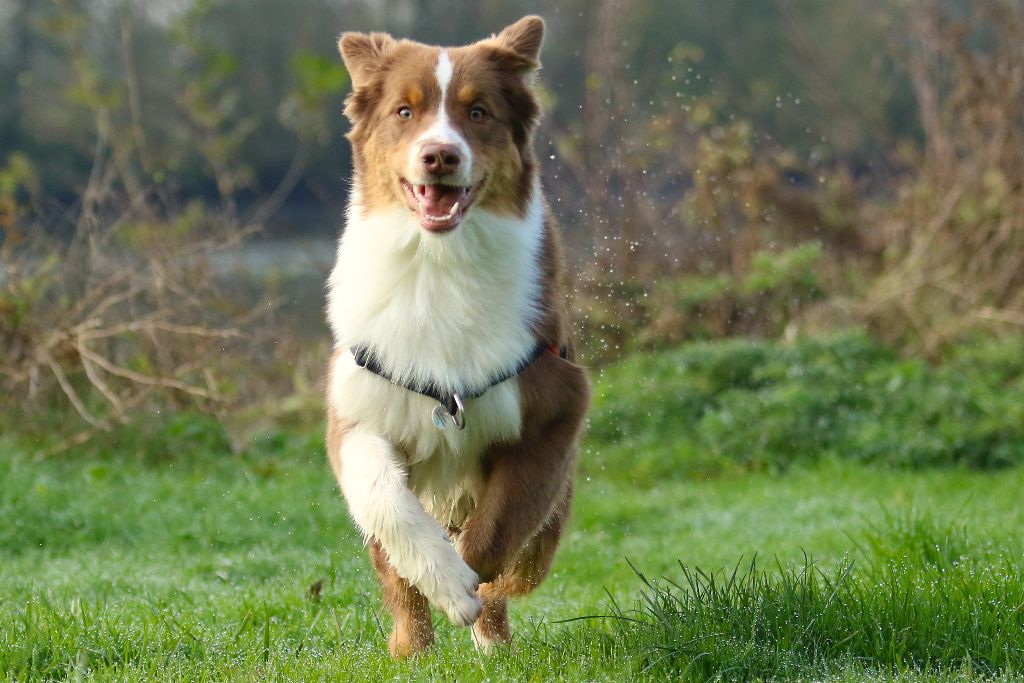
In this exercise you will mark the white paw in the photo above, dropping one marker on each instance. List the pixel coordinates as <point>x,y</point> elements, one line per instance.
<point>484,643</point>
<point>456,594</point>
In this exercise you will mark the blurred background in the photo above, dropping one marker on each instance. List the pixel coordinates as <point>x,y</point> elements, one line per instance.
<point>173,174</point>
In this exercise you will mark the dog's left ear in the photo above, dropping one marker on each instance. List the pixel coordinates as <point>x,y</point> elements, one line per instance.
<point>524,37</point>
<point>517,47</point>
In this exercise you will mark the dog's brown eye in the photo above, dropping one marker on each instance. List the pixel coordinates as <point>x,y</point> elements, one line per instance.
<point>405,113</point>
<point>476,113</point>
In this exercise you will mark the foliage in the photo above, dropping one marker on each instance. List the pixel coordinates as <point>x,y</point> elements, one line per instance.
<point>701,201</point>
<point>923,248</point>
<point>953,240</point>
<point>773,293</point>
<point>194,75</point>
<point>754,405</point>
<point>262,37</point>
<point>691,196</point>
<point>113,307</point>
<point>766,299</point>
<point>120,319</point>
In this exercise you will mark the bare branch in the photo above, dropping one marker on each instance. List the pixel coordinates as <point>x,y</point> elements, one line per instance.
<point>72,395</point>
<point>140,378</point>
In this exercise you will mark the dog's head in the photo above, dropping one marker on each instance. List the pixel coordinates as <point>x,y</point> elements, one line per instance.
<point>442,131</point>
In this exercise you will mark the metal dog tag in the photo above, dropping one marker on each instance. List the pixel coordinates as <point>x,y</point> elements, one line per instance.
<point>443,419</point>
<point>440,417</point>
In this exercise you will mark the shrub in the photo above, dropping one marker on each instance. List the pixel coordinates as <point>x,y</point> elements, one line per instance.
<point>111,309</point>
<point>757,405</point>
<point>953,240</point>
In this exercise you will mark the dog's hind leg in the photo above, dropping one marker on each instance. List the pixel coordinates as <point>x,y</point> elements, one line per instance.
<point>413,630</point>
<point>530,567</point>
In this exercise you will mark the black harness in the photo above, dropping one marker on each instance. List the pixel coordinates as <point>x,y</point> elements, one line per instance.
<point>453,402</point>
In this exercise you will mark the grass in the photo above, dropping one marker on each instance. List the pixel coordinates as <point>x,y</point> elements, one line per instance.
<point>161,560</point>
<point>925,609</point>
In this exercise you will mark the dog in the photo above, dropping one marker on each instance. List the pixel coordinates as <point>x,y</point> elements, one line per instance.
<point>454,400</point>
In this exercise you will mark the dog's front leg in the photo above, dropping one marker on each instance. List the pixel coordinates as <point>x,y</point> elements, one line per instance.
<point>375,483</point>
<point>527,479</point>
<point>526,482</point>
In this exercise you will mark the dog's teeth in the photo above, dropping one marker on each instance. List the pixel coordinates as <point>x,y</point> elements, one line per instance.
<point>455,208</point>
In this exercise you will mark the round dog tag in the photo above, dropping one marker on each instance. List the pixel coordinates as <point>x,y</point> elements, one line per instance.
<point>440,417</point>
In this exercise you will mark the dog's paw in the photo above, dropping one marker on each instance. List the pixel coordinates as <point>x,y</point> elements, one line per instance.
<point>456,595</point>
<point>489,643</point>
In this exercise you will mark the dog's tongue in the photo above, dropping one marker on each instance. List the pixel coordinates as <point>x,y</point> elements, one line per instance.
<point>438,200</point>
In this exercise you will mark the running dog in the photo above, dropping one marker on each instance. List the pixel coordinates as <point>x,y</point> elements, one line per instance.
<point>454,400</point>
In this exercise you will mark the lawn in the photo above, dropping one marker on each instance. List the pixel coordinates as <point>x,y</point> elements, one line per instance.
<point>162,560</point>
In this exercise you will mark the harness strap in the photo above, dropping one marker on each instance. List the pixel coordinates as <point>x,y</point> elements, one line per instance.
<point>367,360</point>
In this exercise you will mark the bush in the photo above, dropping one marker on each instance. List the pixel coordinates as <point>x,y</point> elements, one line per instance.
<point>953,240</point>
<point>113,308</point>
<point>760,405</point>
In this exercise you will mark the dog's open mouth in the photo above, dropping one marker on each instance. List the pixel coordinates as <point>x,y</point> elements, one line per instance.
<point>439,207</point>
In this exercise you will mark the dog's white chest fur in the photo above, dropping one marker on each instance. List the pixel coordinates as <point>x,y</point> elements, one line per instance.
<point>455,310</point>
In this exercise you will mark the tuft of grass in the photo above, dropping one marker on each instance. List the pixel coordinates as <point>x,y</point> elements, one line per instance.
<point>923,600</point>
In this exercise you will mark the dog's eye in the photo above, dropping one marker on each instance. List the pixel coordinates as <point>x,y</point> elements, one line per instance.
<point>405,113</point>
<point>476,113</point>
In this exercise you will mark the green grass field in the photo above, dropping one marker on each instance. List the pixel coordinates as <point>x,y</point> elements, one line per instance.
<point>161,559</point>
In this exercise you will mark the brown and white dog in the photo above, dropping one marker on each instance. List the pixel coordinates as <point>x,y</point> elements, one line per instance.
<point>449,285</point>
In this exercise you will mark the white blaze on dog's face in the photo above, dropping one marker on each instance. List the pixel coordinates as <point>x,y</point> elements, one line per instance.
<point>444,131</point>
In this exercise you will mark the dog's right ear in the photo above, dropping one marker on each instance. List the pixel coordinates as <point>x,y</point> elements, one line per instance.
<point>363,54</point>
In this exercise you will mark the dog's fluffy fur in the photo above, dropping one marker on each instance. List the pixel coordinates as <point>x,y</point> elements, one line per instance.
<point>452,294</point>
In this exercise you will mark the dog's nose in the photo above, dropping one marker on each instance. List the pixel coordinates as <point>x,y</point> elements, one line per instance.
<point>440,159</point>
